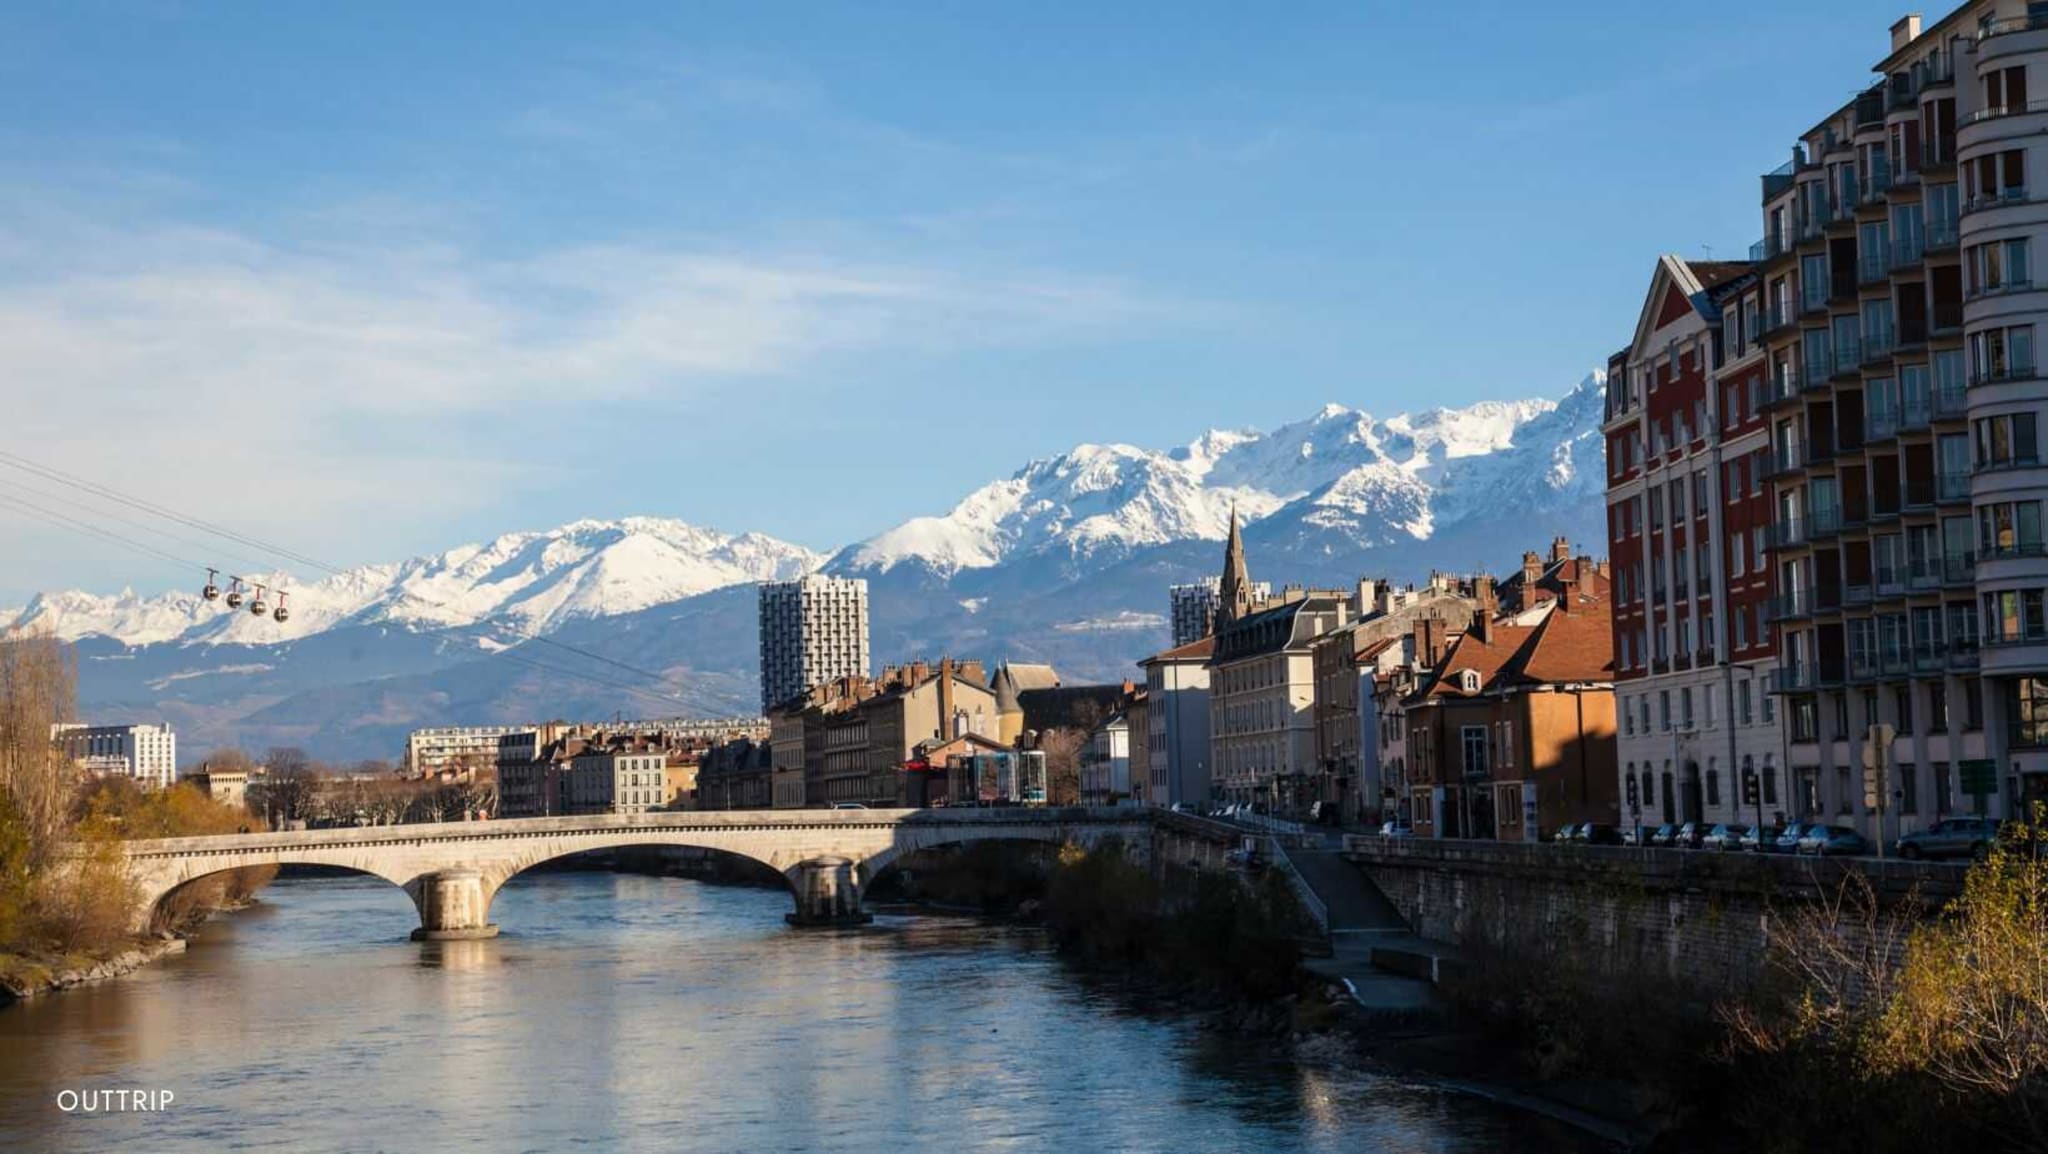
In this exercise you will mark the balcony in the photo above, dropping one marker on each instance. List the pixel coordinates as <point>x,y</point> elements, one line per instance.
<point>1999,111</point>
<point>2007,464</point>
<point>1780,388</point>
<point>1778,317</point>
<point>2009,25</point>
<point>1789,606</point>
<point>1915,413</point>
<point>1942,235</point>
<point>1783,460</point>
<point>2011,550</point>
<point>1879,426</point>
<point>1958,568</point>
<point>1771,247</point>
<point>1998,290</point>
<point>1937,155</point>
<point>1848,357</point>
<point>1948,318</point>
<point>1963,654</point>
<point>1785,534</point>
<point>1891,581</point>
<point>2002,374</point>
<point>1873,268</point>
<point>1923,573</point>
<point>1813,226</point>
<point>1792,679</point>
<point>1905,253</point>
<point>1950,404</point>
<point>2015,640</point>
<point>1952,488</point>
<point>1858,594</point>
<point>1877,347</point>
<point>1777,182</point>
<point>2013,194</point>
<point>1928,657</point>
<point>1939,68</point>
<point>1874,185</point>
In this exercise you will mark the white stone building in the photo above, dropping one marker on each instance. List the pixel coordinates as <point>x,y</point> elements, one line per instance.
<point>1177,724</point>
<point>146,753</point>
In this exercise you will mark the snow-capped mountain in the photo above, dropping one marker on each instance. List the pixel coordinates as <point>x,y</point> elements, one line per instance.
<point>1372,482</point>
<point>1066,561</point>
<point>518,584</point>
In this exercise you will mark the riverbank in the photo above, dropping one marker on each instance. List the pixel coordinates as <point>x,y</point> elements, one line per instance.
<point>23,977</point>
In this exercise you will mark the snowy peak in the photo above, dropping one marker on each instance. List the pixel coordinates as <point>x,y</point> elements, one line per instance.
<point>519,583</point>
<point>1340,471</point>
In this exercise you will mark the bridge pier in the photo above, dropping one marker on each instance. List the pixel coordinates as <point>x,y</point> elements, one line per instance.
<point>453,907</point>
<point>828,894</point>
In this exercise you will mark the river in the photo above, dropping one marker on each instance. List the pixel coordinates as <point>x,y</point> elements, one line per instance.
<point>639,1013</point>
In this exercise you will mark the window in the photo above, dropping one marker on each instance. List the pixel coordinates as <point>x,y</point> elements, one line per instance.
<point>1685,706</point>
<point>1973,705</point>
<point>1771,709</point>
<point>2009,529</point>
<point>1941,789</point>
<point>1472,741</point>
<point>1770,781</point>
<point>1908,782</point>
<point>1742,701</point>
<point>1664,710</point>
<point>2026,701</point>
<point>2006,441</point>
<point>1997,267</point>
<point>1842,790</point>
<point>1902,702</point>
<point>2014,615</point>
<point>2002,354</point>
<point>1713,783</point>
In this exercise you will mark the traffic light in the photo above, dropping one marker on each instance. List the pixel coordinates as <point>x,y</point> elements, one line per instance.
<point>1749,790</point>
<point>1631,791</point>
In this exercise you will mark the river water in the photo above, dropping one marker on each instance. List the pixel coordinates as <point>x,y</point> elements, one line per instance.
<point>641,1013</point>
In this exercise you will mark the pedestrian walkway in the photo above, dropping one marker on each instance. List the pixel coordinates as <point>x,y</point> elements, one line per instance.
<point>1355,905</point>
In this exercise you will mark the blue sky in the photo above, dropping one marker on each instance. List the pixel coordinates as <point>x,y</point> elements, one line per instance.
<point>377,279</point>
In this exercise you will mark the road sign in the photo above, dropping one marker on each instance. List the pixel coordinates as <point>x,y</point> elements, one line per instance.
<point>1977,775</point>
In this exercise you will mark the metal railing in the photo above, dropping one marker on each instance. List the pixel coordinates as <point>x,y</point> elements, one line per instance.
<point>2011,194</point>
<point>1942,235</point>
<point>2013,370</point>
<point>1950,403</point>
<point>1877,346</point>
<point>2016,285</point>
<point>1998,111</point>
<point>1873,267</point>
<point>1958,568</point>
<point>1848,357</point>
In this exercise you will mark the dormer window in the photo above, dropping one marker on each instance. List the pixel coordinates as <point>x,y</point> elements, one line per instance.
<point>1468,680</point>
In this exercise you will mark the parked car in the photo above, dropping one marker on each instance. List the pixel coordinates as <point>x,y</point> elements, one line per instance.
<point>1950,837</point>
<point>1724,836</point>
<point>1761,838</point>
<point>1565,833</point>
<point>1593,833</point>
<point>1833,840</point>
<point>1396,829</point>
<point>1663,834</point>
<point>1248,859</point>
<point>1689,835</point>
<point>849,805</point>
<point>1788,841</point>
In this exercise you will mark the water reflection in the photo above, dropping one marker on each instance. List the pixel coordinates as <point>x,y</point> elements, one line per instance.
<point>638,1013</point>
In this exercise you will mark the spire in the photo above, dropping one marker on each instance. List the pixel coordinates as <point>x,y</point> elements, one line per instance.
<point>1235,598</point>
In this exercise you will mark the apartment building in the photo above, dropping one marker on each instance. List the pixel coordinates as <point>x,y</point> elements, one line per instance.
<point>146,754</point>
<point>851,737</point>
<point>1690,465</point>
<point>813,630</point>
<point>454,748</point>
<point>1106,761</point>
<point>1906,541</point>
<point>624,780</point>
<point>1176,732</point>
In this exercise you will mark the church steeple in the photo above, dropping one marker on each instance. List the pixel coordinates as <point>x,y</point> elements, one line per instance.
<point>1235,598</point>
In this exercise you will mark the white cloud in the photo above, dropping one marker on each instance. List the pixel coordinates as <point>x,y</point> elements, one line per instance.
<point>262,384</point>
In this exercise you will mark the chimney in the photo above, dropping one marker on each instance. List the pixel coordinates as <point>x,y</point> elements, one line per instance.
<point>1589,574</point>
<point>1482,625</point>
<point>1368,596</point>
<point>1429,636</point>
<point>946,699</point>
<point>1560,550</point>
<point>1532,571</point>
<point>1482,592</point>
<point>1128,687</point>
<point>1905,31</point>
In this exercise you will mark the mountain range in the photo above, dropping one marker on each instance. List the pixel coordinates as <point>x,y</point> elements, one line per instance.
<point>1067,560</point>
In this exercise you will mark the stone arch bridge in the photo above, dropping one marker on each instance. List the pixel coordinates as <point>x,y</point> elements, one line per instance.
<point>453,871</point>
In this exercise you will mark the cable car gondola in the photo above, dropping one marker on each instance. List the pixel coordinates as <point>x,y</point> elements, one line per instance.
<point>234,592</point>
<point>212,590</point>
<point>282,615</point>
<point>257,607</point>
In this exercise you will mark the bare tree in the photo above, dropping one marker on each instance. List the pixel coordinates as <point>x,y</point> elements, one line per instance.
<point>38,690</point>
<point>1063,748</point>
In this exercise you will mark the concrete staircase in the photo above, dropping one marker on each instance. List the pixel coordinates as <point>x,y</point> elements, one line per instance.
<point>1389,971</point>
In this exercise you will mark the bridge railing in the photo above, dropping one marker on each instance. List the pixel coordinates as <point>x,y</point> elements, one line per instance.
<point>1315,906</point>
